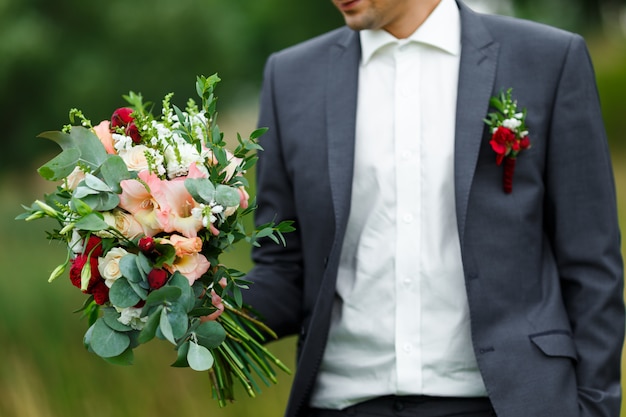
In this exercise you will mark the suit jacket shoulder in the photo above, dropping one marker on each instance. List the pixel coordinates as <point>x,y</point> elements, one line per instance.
<point>304,53</point>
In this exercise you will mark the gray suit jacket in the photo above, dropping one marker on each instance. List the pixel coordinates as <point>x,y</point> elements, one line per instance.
<point>542,265</point>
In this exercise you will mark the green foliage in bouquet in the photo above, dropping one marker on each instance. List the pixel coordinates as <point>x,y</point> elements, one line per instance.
<point>146,206</point>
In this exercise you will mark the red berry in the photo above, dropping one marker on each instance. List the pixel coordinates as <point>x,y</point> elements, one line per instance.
<point>157,278</point>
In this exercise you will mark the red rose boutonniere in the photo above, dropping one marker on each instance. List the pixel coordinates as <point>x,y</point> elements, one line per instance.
<point>509,135</point>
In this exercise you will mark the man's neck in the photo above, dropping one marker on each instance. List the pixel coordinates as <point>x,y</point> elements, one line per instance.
<point>413,19</point>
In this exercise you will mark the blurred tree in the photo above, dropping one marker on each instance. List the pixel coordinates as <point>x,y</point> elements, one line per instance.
<point>73,53</point>
<point>580,15</point>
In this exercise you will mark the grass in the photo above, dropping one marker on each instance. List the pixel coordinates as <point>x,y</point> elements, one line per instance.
<point>46,372</point>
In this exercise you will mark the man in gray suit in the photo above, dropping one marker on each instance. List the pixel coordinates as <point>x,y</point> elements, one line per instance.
<point>429,276</point>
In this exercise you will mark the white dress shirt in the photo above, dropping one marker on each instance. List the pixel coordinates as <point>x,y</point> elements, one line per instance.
<point>401,323</point>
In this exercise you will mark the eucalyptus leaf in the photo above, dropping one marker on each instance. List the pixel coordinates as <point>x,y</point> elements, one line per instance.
<point>122,294</point>
<point>226,196</point>
<point>139,289</point>
<point>166,327</point>
<point>87,338</point>
<point>199,357</point>
<point>129,268</point>
<point>96,183</point>
<point>102,201</point>
<point>92,152</point>
<point>126,358</point>
<point>179,322</point>
<point>107,342</point>
<point>210,334</point>
<point>111,316</point>
<point>187,298</point>
<point>60,166</point>
<point>143,263</point>
<point>181,360</point>
<point>201,189</point>
<point>162,295</point>
<point>83,190</point>
<point>149,329</point>
<point>114,171</point>
<point>91,222</point>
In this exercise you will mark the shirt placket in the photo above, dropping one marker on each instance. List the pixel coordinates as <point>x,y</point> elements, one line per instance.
<point>407,138</point>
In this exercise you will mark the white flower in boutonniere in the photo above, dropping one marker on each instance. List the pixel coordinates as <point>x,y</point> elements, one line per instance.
<point>509,135</point>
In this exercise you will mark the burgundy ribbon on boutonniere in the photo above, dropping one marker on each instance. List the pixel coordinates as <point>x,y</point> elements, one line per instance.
<point>509,135</point>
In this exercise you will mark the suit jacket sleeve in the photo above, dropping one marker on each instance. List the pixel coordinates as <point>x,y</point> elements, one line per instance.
<point>582,224</point>
<point>277,291</point>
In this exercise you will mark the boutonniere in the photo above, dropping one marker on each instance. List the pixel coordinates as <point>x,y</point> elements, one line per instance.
<point>509,135</point>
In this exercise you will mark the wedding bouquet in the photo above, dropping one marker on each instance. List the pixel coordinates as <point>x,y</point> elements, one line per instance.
<point>146,205</point>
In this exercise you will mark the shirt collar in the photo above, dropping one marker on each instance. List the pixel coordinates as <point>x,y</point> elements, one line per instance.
<point>442,29</point>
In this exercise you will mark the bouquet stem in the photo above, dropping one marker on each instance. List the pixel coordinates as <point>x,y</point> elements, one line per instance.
<point>509,169</point>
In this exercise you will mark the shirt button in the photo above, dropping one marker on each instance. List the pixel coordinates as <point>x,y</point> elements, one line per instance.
<point>407,281</point>
<point>407,347</point>
<point>406,154</point>
<point>408,218</point>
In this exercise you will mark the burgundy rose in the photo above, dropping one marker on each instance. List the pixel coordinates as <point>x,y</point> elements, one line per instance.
<point>76,268</point>
<point>157,278</point>
<point>133,132</point>
<point>500,142</point>
<point>94,243</point>
<point>100,292</point>
<point>121,117</point>
<point>524,143</point>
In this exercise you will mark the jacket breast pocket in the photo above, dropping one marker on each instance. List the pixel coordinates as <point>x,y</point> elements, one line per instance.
<point>555,343</point>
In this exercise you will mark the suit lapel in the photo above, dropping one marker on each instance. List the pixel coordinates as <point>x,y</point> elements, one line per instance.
<point>341,102</point>
<point>477,72</point>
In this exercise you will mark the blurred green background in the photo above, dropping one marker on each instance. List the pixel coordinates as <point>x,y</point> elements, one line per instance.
<point>86,54</point>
